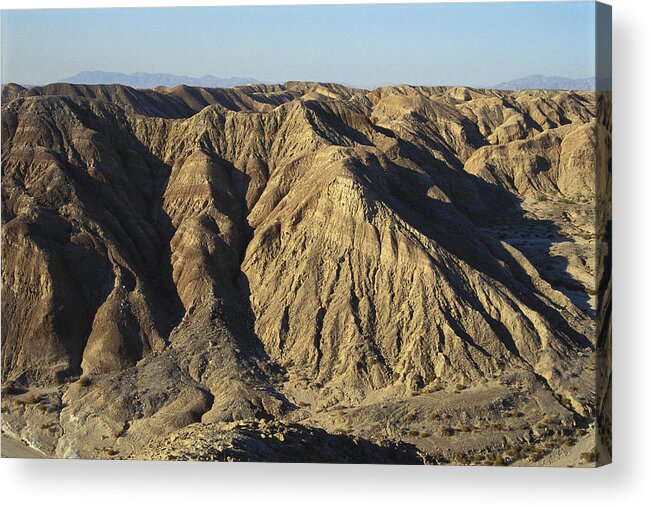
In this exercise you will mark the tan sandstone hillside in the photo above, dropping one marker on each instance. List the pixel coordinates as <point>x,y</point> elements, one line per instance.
<point>298,272</point>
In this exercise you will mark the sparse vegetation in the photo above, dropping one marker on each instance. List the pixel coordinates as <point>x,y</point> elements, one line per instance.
<point>566,402</point>
<point>31,399</point>
<point>460,458</point>
<point>10,389</point>
<point>514,452</point>
<point>567,441</point>
<point>535,456</point>
<point>446,432</point>
<point>589,457</point>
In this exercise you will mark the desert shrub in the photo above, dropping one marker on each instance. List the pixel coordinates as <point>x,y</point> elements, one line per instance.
<point>566,402</point>
<point>31,399</point>
<point>513,452</point>
<point>84,381</point>
<point>446,432</point>
<point>425,434</point>
<point>461,458</point>
<point>11,389</point>
<point>435,387</point>
<point>535,456</point>
<point>499,461</point>
<point>589,457</point>
<point>460,387</point>
<point>413,433</point>
<point>567,442</point>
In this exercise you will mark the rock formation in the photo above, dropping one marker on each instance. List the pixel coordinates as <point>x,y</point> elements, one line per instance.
<point>182,260</point>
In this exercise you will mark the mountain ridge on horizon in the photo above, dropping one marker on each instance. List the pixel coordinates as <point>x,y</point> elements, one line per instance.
<point>541,81</point>
<point>148,80</point>
<point>152,80</point>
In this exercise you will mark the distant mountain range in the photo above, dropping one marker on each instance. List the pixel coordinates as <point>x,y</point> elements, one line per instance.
<point>144,80</point>
<point>540,82</point>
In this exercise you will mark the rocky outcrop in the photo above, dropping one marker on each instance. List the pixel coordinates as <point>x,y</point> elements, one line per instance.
<point>263,441</point>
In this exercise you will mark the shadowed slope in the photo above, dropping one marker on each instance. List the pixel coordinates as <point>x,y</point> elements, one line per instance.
<point>218,242</point>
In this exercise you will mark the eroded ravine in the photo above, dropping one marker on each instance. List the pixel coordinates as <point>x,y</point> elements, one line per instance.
<point>276,258</point>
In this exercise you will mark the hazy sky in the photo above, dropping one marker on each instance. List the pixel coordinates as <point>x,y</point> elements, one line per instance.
<point>362,45</point>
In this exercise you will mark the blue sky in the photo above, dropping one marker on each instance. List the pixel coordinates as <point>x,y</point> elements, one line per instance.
<point>362,45</point>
